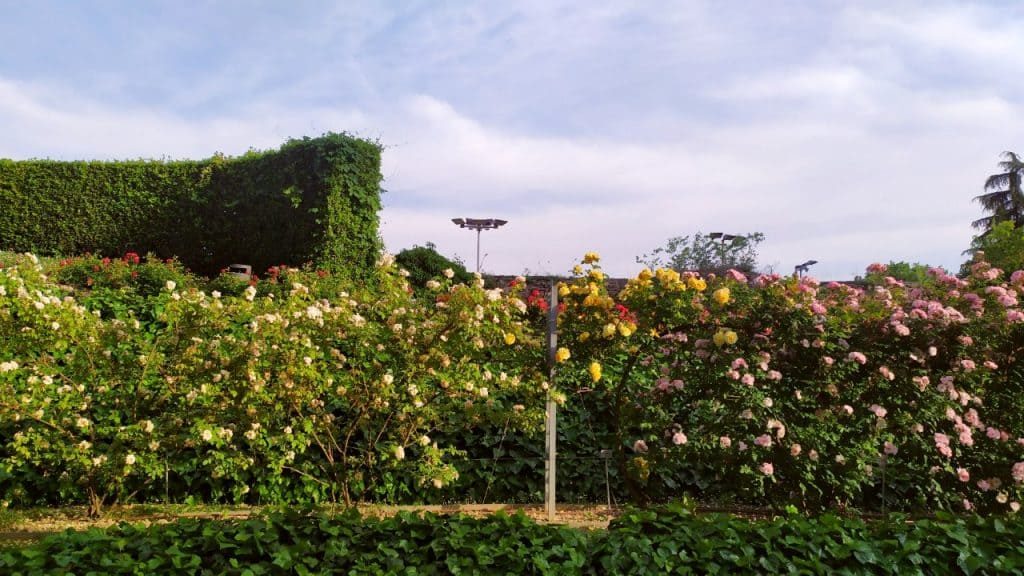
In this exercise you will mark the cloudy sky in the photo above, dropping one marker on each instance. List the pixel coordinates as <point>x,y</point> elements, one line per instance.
<point>847,132</point>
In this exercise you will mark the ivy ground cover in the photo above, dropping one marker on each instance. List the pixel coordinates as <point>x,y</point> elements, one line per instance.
<point>667,540</point>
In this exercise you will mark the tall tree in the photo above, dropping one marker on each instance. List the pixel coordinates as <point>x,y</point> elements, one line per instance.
<point>1003,198</point>
<point>714,252</point>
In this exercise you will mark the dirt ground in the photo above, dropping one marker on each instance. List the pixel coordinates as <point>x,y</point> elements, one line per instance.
<point>23,527</point>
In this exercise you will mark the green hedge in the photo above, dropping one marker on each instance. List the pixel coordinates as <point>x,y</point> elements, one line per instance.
<point>669,540</point>
<point>314,199</point>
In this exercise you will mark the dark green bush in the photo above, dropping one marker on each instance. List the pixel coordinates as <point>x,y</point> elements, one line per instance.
<point>669,540</point>
<point>314,199</point>
<point>425,262</point>
<point>295,543</point>
<point>673,540</point>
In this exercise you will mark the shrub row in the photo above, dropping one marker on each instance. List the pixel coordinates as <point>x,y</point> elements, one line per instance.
<point>278,396</point>
<point>768,391</point>
<point>669,540</point>
<point>314,199</point>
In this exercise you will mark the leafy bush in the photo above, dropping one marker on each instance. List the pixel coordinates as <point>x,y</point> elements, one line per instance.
<point>300,544</point>
<point>425,263</point>
<point>280,396</point>
<point>780,391</point>
<point>667,540</point>
<point>308,387</point>
<point>673,540</point>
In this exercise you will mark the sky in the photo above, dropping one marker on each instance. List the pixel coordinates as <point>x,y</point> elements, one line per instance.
<point>846,132</point>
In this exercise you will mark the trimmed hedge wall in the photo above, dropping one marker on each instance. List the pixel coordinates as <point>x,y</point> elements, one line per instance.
<point>314,199</point>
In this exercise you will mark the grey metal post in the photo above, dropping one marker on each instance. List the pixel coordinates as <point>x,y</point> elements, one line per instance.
<point>550,427</point>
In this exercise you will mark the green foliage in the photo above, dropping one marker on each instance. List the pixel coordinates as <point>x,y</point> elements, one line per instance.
<point>903,271</point>
<point>1002,247</point>
<point>425,263</point>
<point>780,391</point>
<point>304,386</point>
<point>704,253</point>
<point>669,540</point>
<point>1003,198</point>
<point>297,543</point>
<point>273,396</point>
<point>311,200</point>
<point>674,540</point>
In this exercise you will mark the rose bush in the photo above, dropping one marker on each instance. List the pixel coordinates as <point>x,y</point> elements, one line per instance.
<point>259,397</point>
<point>778,390</point>
<point>302,387</point>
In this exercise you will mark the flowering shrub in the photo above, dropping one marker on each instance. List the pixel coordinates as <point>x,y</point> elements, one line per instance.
<point>301,386</point>
<point>254,397</point>
<point>778,390</point>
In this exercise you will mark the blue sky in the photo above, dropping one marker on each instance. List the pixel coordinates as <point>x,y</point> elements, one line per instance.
<point>847,132</point>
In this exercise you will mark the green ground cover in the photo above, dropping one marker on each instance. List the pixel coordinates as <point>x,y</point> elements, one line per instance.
<point>665,540</point>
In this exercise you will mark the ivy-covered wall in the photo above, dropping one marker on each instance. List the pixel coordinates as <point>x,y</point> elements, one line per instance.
<point>312,200</point>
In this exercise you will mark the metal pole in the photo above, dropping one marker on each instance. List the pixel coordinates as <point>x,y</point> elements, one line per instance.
<point>550,434</point>
<point>478,230</point>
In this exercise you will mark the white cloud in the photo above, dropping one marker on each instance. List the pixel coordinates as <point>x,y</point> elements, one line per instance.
<point>982,33</point>
<point>846,150</point>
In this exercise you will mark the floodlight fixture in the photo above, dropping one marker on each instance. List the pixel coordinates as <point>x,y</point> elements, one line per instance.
<point>479,224</point>
<point>801,269</point>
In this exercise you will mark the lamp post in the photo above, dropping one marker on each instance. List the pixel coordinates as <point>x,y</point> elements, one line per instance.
<point>479,224</point>
<point>722,239</point>
<point>801,269</point>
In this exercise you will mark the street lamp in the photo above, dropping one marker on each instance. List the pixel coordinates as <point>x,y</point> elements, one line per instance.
<point>479,224</point>
<point>801,269</point>
<point>725,237</point>
<point>722,239</point>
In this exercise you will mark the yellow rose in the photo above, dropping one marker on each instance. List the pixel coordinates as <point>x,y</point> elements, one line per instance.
<point>626,329</point>
<point>562,354</point>
<point>730,337</point>
<point>563,290</point>
<point>608,331</point>
<point>644,275</point>
<point>697,284</point>
<point>585,336</point>
<point>595,371</point>
<point>577,269</point>
<point>591,257</point>
<point>721,295</point>
<point>597,275</point>
<point>510,338</point>
<point>719,338</point>
<point>667,276</point>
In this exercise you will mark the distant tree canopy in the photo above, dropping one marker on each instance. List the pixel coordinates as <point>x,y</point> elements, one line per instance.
<point>425,262</point>
<point>1003,198</point>
<point>1002,235</point>
<point>913,272</point>
<point>1003,247</point>
<point>713,252</point>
